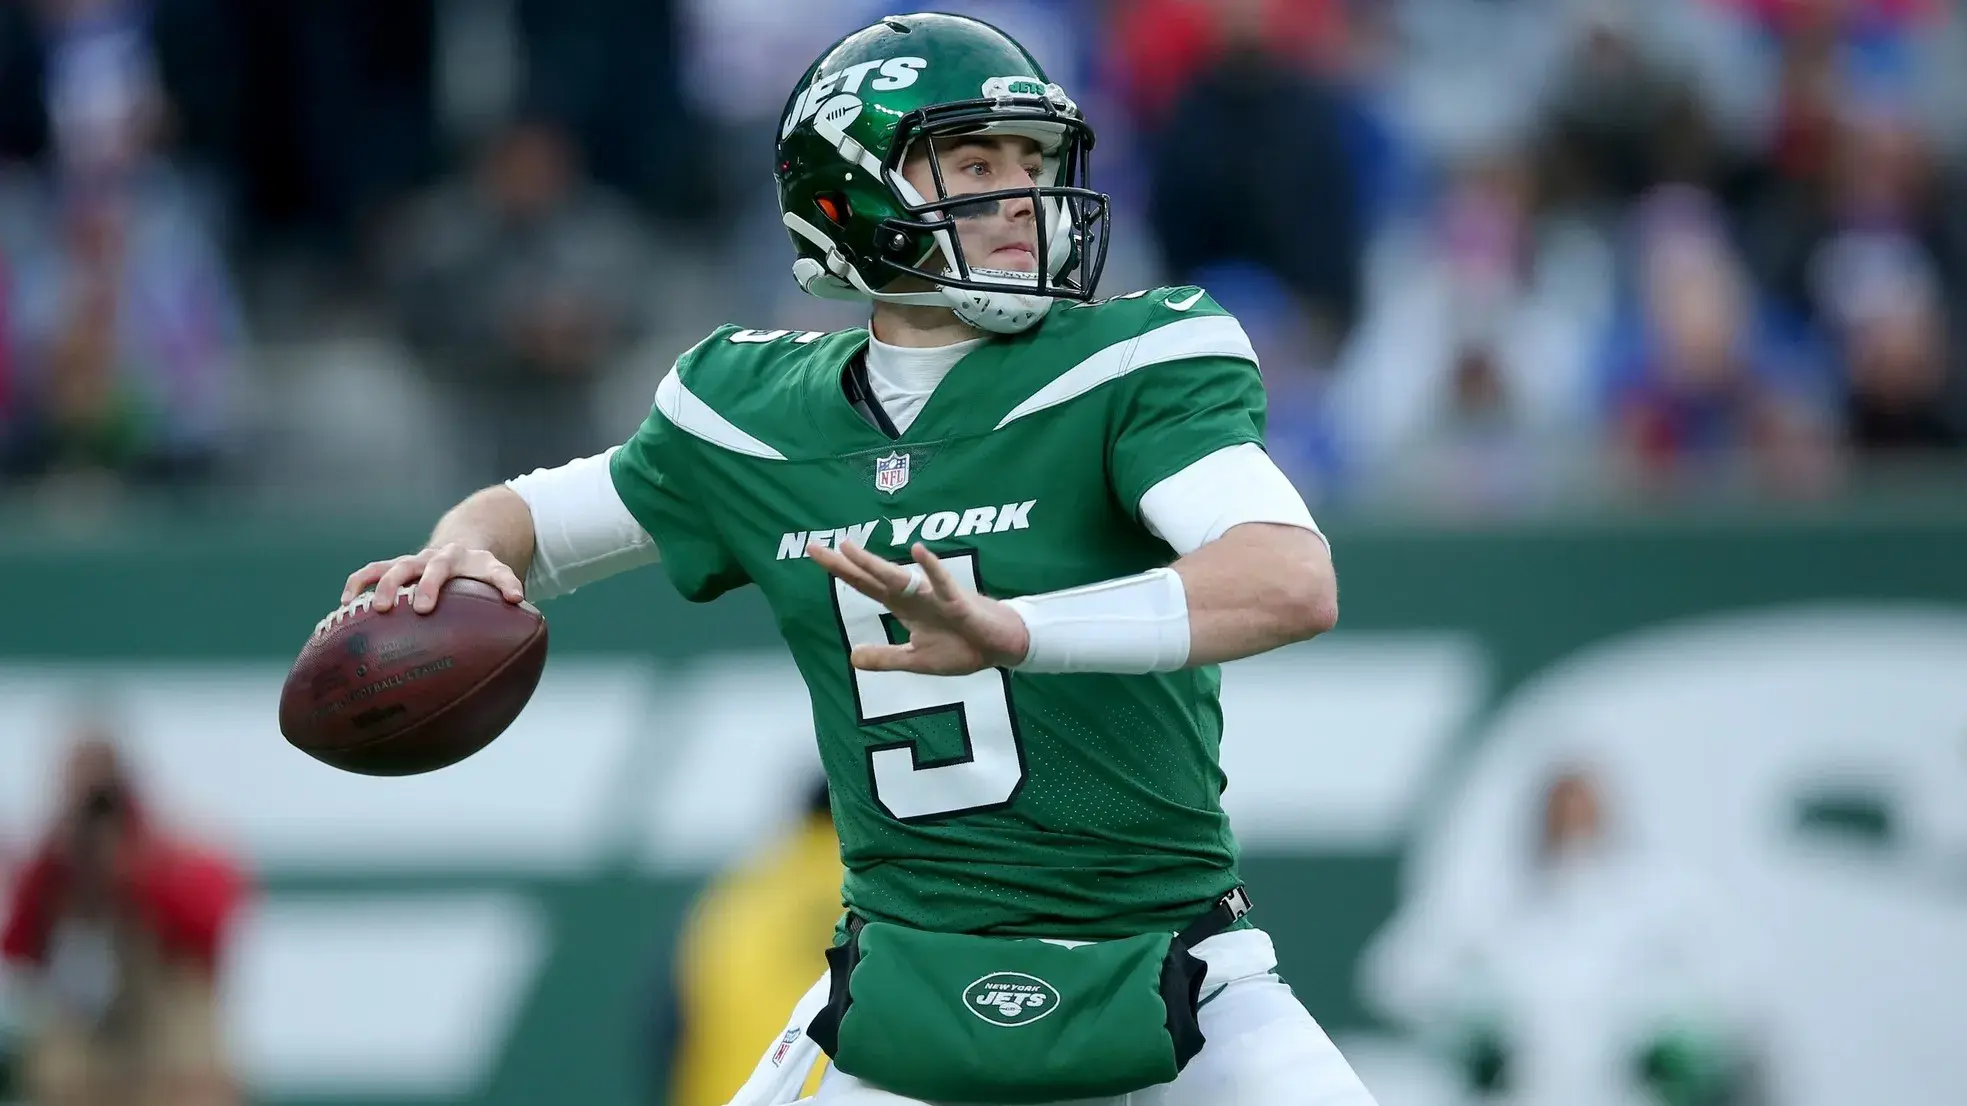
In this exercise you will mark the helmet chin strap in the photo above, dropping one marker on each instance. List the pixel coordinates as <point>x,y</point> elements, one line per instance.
<point>997,311</point>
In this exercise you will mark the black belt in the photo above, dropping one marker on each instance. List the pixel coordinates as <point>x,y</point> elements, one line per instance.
<point>1227,912</point>
<point>1220,917</point>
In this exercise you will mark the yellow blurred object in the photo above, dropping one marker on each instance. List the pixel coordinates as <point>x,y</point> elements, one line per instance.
<point>755,942</point>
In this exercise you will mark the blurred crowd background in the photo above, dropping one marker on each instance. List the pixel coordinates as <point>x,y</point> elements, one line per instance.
<point>1566,814</point>
<point>1499,255</point>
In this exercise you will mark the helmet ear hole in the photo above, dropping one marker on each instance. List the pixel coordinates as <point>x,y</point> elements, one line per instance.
<point>834,207</point>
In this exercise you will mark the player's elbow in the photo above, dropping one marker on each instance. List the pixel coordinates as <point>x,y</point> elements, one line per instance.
<point>1313,608</point>
<point>1310,605</point>
<point>1324,609</point>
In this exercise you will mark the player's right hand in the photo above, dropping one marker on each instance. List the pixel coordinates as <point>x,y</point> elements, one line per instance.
<point>952,630</point>
<point>428,570</point>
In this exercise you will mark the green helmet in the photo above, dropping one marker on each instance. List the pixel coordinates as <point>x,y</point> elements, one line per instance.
<point>857,224</point>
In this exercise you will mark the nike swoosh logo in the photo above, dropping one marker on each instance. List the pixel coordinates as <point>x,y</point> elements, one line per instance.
<point>1184,303</point>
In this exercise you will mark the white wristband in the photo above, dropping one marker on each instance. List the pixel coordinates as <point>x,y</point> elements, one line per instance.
<point>1132,624</point>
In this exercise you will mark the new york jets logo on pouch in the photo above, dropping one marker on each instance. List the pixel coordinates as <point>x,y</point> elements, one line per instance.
<point>1010,998</point>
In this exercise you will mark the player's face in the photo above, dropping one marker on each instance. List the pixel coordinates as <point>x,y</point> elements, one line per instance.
<point>995,234</point>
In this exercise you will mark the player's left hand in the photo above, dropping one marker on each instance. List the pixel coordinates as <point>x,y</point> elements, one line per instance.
<point>952,630</point>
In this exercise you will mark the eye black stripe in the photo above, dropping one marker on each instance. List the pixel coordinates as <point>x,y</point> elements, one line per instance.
<point>975,209</point>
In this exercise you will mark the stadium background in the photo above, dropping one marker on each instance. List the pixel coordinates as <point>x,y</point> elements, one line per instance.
<point>1617,345</point>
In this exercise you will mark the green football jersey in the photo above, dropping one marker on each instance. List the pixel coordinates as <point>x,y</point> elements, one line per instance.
<point>1080,805</point>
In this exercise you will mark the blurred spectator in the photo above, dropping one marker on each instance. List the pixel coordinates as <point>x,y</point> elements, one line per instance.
<point>97,83</point>
<point>1603,977</point>
<point>1250,164</point>
<point>754,944</point>
<point>118,930</point>
<point>129,341</point>
<point>1886,311</point>
<point>611,72</point>
<point>114,91</point>
<point>126,333</point>
<point>1706,385</point>
<point>1811,85</point>
<point>1475,75</point>
<point>1298,430</point>
<point>104,97</point>
<point>1847,138</point>
<point>1468,383</point>
<point>1878,180</point>
<point>1618,120</point>
<point>521,284</point>
<point>1162,47</point>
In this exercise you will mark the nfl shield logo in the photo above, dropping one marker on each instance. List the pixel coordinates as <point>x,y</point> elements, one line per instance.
<point>785,1046</point>
<point>891,472</point>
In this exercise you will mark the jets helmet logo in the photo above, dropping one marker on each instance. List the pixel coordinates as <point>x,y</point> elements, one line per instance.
<point>894,74</point>
<point>1010,998</point>
<point>891,473</point>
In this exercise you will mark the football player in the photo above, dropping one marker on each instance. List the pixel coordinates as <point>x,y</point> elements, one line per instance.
<point>1008,531</point>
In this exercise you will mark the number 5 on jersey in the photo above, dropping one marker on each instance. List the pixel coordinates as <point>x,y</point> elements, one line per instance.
<point>991,767</point>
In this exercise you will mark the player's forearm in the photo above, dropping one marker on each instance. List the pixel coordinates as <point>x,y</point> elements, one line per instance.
<point>1256,588</point>
<point>494,519</point>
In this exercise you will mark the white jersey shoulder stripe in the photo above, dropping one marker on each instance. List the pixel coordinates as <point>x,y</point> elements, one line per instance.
<point>693,416</point>
<point>1200,336</point>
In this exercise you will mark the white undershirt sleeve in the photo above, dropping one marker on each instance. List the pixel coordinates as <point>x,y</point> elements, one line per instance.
<point>582,531</point>
<point>1227,488</point>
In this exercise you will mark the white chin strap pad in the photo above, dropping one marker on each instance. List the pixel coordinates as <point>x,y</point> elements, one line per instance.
<point>997,312</point>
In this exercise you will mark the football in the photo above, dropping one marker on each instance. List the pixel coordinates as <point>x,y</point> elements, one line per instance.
<point>401,693</point>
